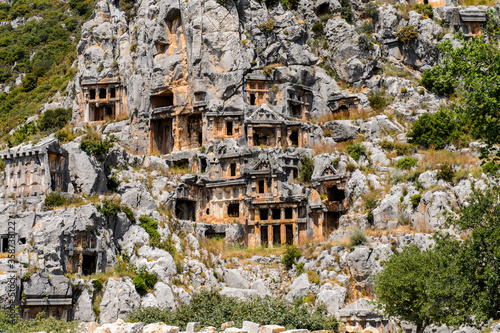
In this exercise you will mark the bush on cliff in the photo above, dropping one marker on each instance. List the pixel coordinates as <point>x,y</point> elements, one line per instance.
<point>210,308</point>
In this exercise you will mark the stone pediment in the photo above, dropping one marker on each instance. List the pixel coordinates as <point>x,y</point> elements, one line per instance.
<point>327,171</point>
<point>265,115</point>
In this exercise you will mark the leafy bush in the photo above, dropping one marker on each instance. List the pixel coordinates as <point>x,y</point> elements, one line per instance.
<point>407,34</point>
<point>108,208</point>
<point>445,172</point>
<point>55,199</point>
<point>93,144</point>
<point>11,322</point>
<point>356,150</point>
<point>346,11</point>
<point>144,281</point>
<point>423,9</point>
<point>437,130</point>
<point>491,167</point>
<point>365,42</point>
<point>291,255</point>
<point>268,26</point>
<point>53,120</point>
<point>371,11</point>
<point>306,168</point>
<point>300,268</point>
<point>317,28</point>
<point>210,308</point>
<point>406,163</point>
<point>128,6</point>
<point>377,100</point>
<point>113,184</point>
<point>415,200</point>
<point>358,237</point>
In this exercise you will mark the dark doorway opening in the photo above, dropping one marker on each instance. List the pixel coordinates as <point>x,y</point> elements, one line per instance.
<point>185,209</point>
<point>294,138</point>
<point>203,165</point>
<point>5,244</point>
<point>112,92</point>
<point>252,99</point>
<point>233,169</point>
<point>331,222</point>
<point>334,194</point>
<point>92,94</point>
<point>276,234</point>
<point>163,99</point>
<point>261,186</point>
<point>89,264</point>
<point>264,214</point>
<point>289,234</point>
<point>102,93</point>
<point>163,141</point>
<point>229,128</point>
<point>264,238</point>
<point>288,213</point>
<point>296,110</point>
<point>276,213</point>
<point>233,210</point>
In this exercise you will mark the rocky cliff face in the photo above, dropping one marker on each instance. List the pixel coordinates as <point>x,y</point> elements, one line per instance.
<point>220,109</point>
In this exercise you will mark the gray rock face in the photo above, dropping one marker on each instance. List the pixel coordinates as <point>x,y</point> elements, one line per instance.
<point>87,174</point>
<point>333,297</point>
<point>342,130</point>
<point>164,295</point>
<point>118,300</point>
<point>358,263</point>
<point>83,309</point>
<point>234,279</point>
<point>300,287</point>
<point>242,294</point>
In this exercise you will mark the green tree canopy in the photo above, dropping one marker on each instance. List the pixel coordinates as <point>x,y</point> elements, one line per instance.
<point>458,281</point>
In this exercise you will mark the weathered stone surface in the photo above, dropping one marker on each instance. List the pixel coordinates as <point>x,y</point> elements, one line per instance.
<point>300,287</point>
<point>160,328</point>
<point>118,300</point>
<point>333,297</point>
<point>234,279</point>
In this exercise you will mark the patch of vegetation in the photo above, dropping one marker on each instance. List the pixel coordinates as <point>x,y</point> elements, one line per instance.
<point>346,11</point>
<point>437,130</point>
<point>358,237</point>
<point>110,208</point>
<point>44,50</point>
<point>415,200</point>
<point>306,168</point>
<point>491,167</point>
<point>144,281</point>
<point>151,226</point>
<point>423,9</point>
<point>52,121</point>
<point>406,163</point>
<point>11,322</point>
<point>129,7</point>
<point>407,34</point>
<point>317,28</point>
<point>93,144</point>
<point>452,282</point>
<point>268,26</point>
<point>210,308</point>
<point>113,184</point>
<point>378,100</point>
<point>445,173</point>
<point>356,150</point>
<point>291,255</point>
<point>58,199</point>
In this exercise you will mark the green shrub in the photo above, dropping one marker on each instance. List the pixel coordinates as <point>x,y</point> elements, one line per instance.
<point>53,120</point>
<point>268,26</point>
<point>317,28</point>
<point>144,281</point>
<point>423,9</point>
<point>11,322</point>
<point>346,11</point>
<point>406,163</point>
<point>113,184</point>
<point>445,172</point>
<point>371,11</point>
<point>210,308</point>
<point>291,255</point>
<point>407,34</point>
<point>378,101</point>
<point>358,237</point>
<point>65,135</point>
<point>437,130</point>
<point>491,167</point>
<point>415,200</point>
<point>365,42</point>
<point>306,168</point>
<point>300,268</point>
<point>93,144</point>
<point>108,208</point>
<point>56,199</point>
<point>356,150</point>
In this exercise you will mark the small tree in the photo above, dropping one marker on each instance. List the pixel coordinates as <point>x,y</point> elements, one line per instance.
<point>292,254</point>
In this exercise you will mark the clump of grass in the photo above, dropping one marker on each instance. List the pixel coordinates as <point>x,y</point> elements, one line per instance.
<point>358,237</point>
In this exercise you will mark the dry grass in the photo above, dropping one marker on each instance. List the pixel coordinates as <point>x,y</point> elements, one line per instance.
<point>344,115</point>
<point>324,148</point>
<point>217,246</point>
<point>489,3</point>
<point>372,232</point>
<point>433,158</point>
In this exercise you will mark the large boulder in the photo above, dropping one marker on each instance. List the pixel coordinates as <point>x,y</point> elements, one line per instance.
<point>342,130</point>
<point>299,288</point>
<point>333,297</point>
<point>119,299</point>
